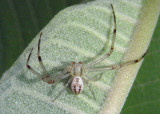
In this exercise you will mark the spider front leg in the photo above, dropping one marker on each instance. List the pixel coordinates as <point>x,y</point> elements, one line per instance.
<point>30,68</point>
<point>46,78</point>
<point>112,45</point>
<point>112,67</point>
<point>39,57</point>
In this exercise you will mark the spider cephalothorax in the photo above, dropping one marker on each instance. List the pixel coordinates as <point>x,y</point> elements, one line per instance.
<point>76,71</point>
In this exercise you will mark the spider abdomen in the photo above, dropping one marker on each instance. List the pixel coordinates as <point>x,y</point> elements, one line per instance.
<point>77,85</point>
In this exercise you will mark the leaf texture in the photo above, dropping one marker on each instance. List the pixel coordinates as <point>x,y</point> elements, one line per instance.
<point>77,33</point>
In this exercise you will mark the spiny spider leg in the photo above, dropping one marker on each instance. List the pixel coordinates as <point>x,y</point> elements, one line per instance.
<point>88,85</point>
<point>95,79</point>
<point>30,68</point>
<point>112,45</point>
<point>111,67</point>
<point>39,57</point>
<point>45,79</point>
<point>69,81</point>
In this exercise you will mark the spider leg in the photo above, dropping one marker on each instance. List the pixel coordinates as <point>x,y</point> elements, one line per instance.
<point>69,81</point>
<point>62,75</point>
<point>94,79</point>
<point>112,67</point>
<point>112,45</point>
<point>88,85</point>
<point>45,79</point>
<point>39,57</point>
<point>30,68</point>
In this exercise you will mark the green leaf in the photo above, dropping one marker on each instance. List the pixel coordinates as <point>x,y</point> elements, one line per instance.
<point>144,95</point>
<point>80,33</point>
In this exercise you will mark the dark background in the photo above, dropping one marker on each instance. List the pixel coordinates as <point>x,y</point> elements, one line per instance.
<point>21,20</point>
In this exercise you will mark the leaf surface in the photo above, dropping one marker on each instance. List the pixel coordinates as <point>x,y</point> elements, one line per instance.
<point>79,33</point>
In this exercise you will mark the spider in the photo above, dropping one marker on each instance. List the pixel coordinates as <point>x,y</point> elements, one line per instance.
<point>76,71</point>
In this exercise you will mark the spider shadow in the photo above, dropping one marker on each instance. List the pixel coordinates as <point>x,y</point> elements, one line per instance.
<point>23,78</point>
<point>109,31</point>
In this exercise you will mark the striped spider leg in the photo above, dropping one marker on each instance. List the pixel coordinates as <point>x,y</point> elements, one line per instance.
<point>112,45</point>
<point>45,77</point>
<point>116,66</point>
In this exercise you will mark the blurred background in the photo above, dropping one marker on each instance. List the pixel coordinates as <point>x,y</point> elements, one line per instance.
<point>21,20</point>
